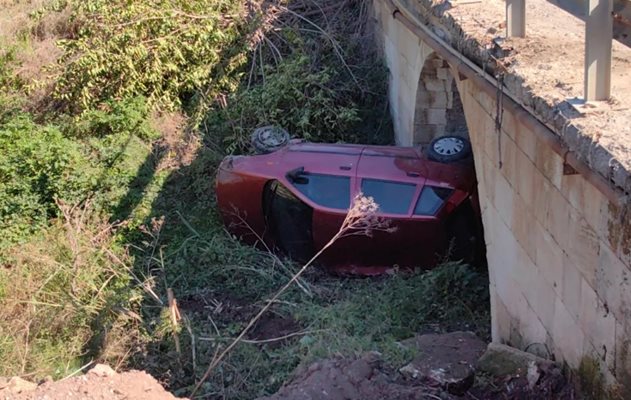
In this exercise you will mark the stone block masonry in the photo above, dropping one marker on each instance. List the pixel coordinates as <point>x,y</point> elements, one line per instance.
<point>557,249</point>
<point>559,252</point>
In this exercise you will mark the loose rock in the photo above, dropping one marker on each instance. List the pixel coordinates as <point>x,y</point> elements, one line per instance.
<point>502,360</point>
<point>448,360</point>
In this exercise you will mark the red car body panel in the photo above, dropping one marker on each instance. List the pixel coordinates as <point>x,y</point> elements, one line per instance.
<point>419,240</point>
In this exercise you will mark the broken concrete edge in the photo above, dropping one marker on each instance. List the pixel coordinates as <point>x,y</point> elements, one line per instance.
<point>556,117</point>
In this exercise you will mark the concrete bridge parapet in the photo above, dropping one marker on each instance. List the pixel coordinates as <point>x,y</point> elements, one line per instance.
<point>557,226</point>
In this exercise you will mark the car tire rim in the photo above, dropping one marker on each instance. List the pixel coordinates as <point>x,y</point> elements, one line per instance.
<point>448,146</point>
<point>272,137</point>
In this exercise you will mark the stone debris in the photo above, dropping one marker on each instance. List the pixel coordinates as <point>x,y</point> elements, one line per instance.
<point>101,370</point>
<point>448,360</point>
<point>501,360</point>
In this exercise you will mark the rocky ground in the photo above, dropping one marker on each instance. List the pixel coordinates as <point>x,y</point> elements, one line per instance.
<point>449,366</point>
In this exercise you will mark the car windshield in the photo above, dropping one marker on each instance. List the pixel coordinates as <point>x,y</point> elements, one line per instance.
<point>392,197</point>
<point>430,200</point>
<point>325,190</point>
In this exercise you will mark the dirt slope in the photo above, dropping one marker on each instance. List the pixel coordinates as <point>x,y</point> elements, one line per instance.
<point>101,382</point>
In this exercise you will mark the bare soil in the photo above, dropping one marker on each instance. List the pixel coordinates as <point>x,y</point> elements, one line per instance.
<point>178,144</point>
<point>132,385</point>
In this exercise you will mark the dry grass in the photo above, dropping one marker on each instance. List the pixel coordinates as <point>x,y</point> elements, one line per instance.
<point>178,142</point>
<point>30,29</point>
<point>60,297</point>
<point>14,17</point>
<point>362,219</point>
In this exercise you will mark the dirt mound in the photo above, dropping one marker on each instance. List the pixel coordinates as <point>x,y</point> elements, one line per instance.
<point>101,382</point>
<point>342,379</point>
<point>447,366</point>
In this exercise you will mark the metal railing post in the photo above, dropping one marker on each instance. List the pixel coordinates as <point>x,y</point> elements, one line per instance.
<point>515,18</point>
<point>598,45</point>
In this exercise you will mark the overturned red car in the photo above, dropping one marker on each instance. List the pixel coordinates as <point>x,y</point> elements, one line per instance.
<point>296,196</point>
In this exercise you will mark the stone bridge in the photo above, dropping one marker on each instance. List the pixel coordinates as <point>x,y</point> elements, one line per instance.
<point>553,171</point>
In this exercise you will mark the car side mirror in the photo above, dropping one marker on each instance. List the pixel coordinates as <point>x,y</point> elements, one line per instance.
<point>297,176</point>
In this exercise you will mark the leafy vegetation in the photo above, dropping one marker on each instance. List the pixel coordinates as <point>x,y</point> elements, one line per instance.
<point>161,49</point>
<point>38,166</point>
<point>106,199</point>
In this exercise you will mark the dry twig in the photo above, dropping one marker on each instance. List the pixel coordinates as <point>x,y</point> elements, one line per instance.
<point>362,219</point>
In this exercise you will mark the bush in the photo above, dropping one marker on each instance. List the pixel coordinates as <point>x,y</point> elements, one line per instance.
<point>318,77</point>
<point>126,117</point>
<point>304,102</point>
<point>37,165</point>
<point>157,48</point>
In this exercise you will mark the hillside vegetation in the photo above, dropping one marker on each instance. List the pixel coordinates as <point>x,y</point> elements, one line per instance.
<point>113,117</point>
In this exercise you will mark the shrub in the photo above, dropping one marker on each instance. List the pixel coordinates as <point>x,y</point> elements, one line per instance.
<point>319,77</point>
<point>100,155</point>
<point>156,48</point>
<point>304,102</point>
<point>37,165</point>
<point>125,117</point>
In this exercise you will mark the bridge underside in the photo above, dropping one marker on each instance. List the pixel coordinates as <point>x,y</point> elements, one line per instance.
<point>558,246</point>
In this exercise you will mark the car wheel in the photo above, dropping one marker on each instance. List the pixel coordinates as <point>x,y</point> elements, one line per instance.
<point>448,149</point>
<point>268,139</point>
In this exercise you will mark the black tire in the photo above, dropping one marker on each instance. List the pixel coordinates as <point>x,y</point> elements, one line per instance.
<point>268,139</point>
<point>449,149</point>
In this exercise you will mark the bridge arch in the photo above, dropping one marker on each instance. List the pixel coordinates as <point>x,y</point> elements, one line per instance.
<point>438,108</point>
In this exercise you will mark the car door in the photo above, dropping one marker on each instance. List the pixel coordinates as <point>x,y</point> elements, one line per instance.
<point>322,178</point>
<point>396,182</point>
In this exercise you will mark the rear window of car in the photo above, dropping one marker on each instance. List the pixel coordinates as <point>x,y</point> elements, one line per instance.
<point>392,197</point>
<point>326,190</point>
<point>431,200</point>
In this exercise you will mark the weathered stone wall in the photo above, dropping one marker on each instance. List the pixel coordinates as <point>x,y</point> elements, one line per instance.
<point>559,252</point>
<point>424,101</point>
<point>405,55</point>
<point>438,109</point>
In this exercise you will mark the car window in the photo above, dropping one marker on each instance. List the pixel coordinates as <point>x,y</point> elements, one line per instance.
<point>392,197</point>
<point>326,190</point>
<point>430,200</point>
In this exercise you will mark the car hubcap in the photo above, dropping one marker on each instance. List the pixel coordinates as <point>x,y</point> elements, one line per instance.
<point>272,137</point>
<point>448,146</point>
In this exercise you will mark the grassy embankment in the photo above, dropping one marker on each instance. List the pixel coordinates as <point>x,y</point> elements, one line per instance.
<point>112,121</point>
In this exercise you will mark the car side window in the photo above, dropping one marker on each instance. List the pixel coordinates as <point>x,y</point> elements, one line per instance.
<point>431,199</point>
<point>392,197</point>
<point>326,190</point>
